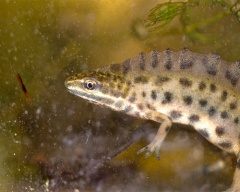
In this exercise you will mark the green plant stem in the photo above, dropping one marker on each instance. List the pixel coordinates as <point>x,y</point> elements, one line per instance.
<point>193,27</point>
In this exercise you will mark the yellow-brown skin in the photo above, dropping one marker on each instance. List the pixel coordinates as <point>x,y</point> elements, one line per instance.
<point>167,87</point>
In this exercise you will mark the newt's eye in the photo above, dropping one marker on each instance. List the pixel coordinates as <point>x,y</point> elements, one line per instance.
<point>90,84</point>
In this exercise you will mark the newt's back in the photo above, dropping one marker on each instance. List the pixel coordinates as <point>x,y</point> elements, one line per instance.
<point>183,87</point>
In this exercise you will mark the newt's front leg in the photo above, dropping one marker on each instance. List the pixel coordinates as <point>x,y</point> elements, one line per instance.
<point>162,132</point>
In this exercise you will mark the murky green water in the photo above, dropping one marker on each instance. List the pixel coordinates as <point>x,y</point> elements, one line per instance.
<point>54,141</point>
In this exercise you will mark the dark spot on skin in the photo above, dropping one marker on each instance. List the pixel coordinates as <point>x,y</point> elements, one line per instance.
<point>132,99</point>
<point>210,64</point>
<point>161,80</point>
<point>225,144</point>
<point>154,95</point>
<point>141,79</point>
<point>167,59</point>
<point>129,83</point>
<point>168,64</point>
<point>211,111</point>
<point>233,106</point>
<point>115,78</point>
<point>194,118</point>
<point>140,106</point>
<point>167,97</point>
<point>119,85</point>
<point>236,120</point>
<point>213,88</point>
<point>119,104</point>
<point>143,94</point>
<point>202,86</point>
<point>115,68</point>
<point>127,109</point>
<point>185,82</point>
<point>204,133</point>
<point>150,107</point>
<point>175,114</point>
<point>142,61</point>
<point>154,59</point>
<point>231,78</point>
<point>186,64</point>
<point>224,95</point>
<point>137,114</point>
<point>205,60</point>
<point>126,66</point>
<point>220,131</point>
<point>212,71</point>
<point>187,100</point>
<point>112,92</point>
<point>203,102</point>
<point>117,94</point>
<point>224,114</point>
<point>104,90</point>
<point>167,129</point>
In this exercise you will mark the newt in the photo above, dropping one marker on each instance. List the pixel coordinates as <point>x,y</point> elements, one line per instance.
<point>201,90</point>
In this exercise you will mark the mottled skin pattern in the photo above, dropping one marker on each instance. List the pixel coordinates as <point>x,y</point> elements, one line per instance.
<point>201,90</point>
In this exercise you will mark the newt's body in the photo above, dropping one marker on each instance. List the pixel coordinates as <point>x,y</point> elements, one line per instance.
<point>167,87</point>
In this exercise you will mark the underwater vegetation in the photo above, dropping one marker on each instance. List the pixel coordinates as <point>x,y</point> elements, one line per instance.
<point>163,14</point>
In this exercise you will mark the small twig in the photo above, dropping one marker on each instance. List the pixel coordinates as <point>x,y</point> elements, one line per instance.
<point>23,87</point>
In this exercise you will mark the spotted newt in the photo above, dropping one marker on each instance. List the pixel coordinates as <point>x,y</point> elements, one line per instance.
<point>168,87</point>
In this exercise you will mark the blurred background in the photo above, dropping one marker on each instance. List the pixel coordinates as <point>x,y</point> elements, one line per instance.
<point>51,140</point>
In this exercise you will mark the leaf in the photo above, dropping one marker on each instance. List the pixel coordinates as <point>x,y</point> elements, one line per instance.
<point>164,13</point>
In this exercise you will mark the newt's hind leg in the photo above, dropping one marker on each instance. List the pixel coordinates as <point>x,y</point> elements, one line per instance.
<point>236,178</point>
<point>155,145</point>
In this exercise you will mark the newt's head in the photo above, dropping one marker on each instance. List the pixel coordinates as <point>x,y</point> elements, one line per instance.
<point>98,87</point>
